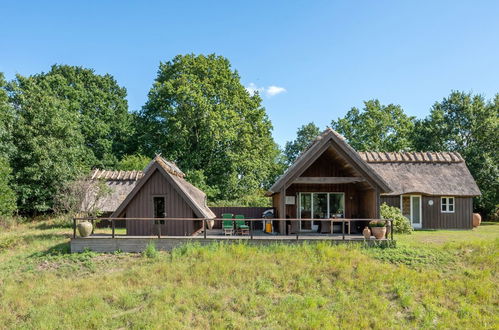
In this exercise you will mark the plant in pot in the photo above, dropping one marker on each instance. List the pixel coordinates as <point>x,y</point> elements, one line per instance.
<point>378,228</point>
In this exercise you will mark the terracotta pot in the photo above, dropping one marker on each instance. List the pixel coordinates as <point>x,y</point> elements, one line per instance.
<point>367,233</point>
<point>379,232</point>
<point>84,228</point>
<point>477,219</point>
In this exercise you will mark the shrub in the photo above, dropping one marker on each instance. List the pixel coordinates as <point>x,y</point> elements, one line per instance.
<point>401,224</point>
<point>150,251</point>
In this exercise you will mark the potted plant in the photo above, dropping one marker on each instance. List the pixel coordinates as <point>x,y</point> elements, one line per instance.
<point>378,228</point>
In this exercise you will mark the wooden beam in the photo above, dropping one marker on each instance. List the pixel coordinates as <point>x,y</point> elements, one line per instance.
<point>328,179</point>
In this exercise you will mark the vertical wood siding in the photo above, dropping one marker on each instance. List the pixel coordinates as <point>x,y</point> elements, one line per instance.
<point>248,212</point>
<point>141,206</point>
<point>433,218</point>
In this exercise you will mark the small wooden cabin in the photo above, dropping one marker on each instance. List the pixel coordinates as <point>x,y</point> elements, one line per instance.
<point>328,180</point>
<point>434,190</point>
<point>331,180</point>
<point>163,192</point>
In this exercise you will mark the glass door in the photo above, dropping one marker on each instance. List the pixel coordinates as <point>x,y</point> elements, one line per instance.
<point>319,203</point>
<point>306,210</point>
<point>411,209</point>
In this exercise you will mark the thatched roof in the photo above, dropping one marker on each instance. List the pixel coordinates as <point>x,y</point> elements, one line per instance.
<point>431,173</point>
<point>328,138</point>
<point>123,183</point>
<point>192,195</point>
<point>120,183</point>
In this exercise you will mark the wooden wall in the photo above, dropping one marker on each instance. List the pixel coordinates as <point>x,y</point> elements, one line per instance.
<point>141,206</point>
<point>433,218</point>
<point>462,217</point>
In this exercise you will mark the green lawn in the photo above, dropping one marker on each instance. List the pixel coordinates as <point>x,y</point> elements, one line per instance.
<point>433,279</point>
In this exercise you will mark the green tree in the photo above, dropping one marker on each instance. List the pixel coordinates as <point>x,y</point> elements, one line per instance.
<point>133,162</point>
<point>304,136</point>
<point>467,124</point>
<point>7,195</point>
<point>50,146</point>
<point>6,121</point>
<point>100,106</point>
<point>376,127</point>
<point>200,115</point>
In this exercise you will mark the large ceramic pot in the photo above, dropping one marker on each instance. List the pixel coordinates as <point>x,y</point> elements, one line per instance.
<point>84,228</point>
<point>379,232</point>
<point>477,219</point>
<point>367,233</point>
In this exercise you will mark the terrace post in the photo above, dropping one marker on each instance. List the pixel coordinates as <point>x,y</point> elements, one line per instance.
<point>93,226</point>
<point>251,228</point>
<point>112,226</point>
<point>391,229</point>
<point>159,229</point>
<point>205,227</point>
<point>298,231</point>
<point>343,228</point>
<point>74,227</point>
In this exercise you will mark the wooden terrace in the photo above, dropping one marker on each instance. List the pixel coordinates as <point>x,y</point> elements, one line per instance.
<point>115,240</point>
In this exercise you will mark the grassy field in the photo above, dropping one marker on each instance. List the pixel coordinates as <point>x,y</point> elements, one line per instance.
<point>433,279</point>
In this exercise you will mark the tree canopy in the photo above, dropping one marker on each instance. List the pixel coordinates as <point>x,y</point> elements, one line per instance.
<point>304,136</point>
<point>376,127</point>
<point>199,115</point>
<point>467,124</point>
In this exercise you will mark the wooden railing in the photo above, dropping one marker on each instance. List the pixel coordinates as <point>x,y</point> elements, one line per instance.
<point>388,222</point>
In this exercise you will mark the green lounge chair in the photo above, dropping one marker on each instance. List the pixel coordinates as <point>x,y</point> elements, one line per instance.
<point>228,223</point>
<point>241,227</point>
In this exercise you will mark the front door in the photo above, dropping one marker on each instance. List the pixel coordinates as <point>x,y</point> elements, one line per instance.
<point>411,209</point>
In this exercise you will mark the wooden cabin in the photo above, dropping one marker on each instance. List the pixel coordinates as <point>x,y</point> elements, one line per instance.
<point>160,191</point>
<point>328,180</point>
<point>331,180</point>
<point>434,190</point>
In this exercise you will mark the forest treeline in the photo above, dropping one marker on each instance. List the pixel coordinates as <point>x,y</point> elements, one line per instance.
<point>57,126</point>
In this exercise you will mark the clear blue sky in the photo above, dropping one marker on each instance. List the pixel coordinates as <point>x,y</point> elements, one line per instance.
<point>327,55</point>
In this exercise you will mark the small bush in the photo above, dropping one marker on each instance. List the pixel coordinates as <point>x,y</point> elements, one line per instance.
<point>401,224</point>
<point>150,251</point>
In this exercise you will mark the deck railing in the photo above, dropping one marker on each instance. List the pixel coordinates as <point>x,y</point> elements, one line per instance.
<point>388,223</point>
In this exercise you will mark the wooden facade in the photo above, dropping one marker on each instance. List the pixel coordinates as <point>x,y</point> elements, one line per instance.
<point>331,166</point>
<point>434,218</point>
<point>179,199</point>
<point>141,206</point>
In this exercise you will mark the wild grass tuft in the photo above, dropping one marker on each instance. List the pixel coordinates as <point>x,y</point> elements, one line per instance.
<point>150,251</point>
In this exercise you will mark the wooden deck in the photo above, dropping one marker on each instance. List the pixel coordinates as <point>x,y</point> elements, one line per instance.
<point>138,243</point>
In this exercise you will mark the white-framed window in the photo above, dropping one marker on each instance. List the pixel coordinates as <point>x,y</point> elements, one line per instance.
<point>447,204</point>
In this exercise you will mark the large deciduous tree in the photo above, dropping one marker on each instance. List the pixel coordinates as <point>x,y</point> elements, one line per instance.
<point>304,136</point>
<point>376,127</point>
<point>200,115</point>
<point>7,195</point>
<point>98,103</point>
<point>50,146</point>
<point>467,124</point>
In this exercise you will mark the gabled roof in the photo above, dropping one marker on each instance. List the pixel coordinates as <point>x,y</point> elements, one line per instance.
<point>316,148</point>
<point>194,197</point>
<point>431,173</point>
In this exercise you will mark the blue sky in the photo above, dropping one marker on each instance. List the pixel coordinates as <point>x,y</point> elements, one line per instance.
<point>321,57</point>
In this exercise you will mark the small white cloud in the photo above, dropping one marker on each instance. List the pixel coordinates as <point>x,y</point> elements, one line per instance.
<point>274,90</point>
<point>269,91</point>
<point>252,89</point>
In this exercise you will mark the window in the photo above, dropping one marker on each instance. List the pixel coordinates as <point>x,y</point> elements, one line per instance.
<point>159,205</point>
<point>447,204</point>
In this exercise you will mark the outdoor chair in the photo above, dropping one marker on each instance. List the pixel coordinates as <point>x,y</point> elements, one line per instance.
<point>228,223</point>
<point>241,227</point>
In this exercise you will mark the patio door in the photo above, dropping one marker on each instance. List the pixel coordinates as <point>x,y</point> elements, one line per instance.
<point>411,209</point>
<point>319,206</point>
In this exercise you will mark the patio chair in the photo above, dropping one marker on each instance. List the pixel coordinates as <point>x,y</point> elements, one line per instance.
<point>241,226</point>
<point>228,223</point>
